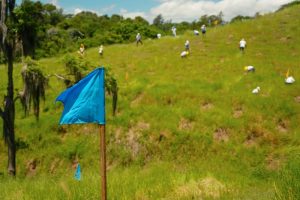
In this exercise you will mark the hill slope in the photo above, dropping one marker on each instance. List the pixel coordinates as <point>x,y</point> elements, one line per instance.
<point>185,128</point>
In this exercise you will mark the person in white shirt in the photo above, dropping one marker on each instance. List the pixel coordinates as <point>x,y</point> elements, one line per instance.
<point>256,90</point>
<point>289,80</point>
<point>101,50</point>
<point>81,50</point>
<point>249,69</point>
<point>243,44</point>
<point>174,31</point>
<point>196,32</point>
<point>203,29</point>
<point>187,45</point>
<point>184,54</point>
<point>158,36</point>
<point>138,39</point>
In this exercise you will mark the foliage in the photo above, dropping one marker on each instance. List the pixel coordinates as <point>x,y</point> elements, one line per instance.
<point>184,127</point>
<point>30,25</point>
<point>288,5</point>
<point>112,89</point>
<point>46,31</point>
<point>158,21</point>
<point>211,20</point>
<point>240,18</point>
<point>77,67</point>
<point>35,83</point>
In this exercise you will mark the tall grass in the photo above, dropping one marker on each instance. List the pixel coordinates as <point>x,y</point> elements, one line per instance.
<point>184,129</point>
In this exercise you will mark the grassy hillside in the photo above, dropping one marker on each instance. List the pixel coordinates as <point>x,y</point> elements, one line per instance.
<point>185,128</point>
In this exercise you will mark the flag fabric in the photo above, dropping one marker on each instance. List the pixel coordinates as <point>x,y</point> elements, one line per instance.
<point>84,102</point>
<point>77,175</point>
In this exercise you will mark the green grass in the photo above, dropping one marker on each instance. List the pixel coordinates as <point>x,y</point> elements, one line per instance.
<point>177,134</point>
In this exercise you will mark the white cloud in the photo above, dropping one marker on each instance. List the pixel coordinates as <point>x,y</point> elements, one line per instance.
<point>77,10</point>
<point>132,15</point>
<point>54,2</point>
<point>189,10</point>
<point>100,12</point>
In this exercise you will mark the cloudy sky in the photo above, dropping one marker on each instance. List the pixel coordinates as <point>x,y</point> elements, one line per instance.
<point>177,10</point>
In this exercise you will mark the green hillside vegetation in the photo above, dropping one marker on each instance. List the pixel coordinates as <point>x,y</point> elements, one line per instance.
<point>185,128</point>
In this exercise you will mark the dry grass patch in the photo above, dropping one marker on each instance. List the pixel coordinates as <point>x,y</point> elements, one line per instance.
<point>221,135</point>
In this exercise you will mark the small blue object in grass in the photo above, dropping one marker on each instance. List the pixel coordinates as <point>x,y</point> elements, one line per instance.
<point>78,173</point>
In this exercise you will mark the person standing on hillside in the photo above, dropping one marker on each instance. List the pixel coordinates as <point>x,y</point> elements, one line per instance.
<point>138,39</point>
<point>101,50</point>
<point>243,44</point>
<point>174,31</point>
<point>81,50</point>
<point>203,29</point>
<point>187,45</point>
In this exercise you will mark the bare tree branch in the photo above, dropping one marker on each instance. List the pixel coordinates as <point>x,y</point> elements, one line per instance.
<point>58,76</point>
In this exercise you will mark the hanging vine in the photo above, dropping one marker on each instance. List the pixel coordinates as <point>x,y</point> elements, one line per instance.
<point>35,84</point>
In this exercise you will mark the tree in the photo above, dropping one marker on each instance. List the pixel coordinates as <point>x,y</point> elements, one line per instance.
<point>116,18</point>
<point>220,17</point>
<point>204,19</point>
<point>30,23</point>
<point>86,22</point>
<point>140,20</point>
<point>240,18</point>
<point>158,21</point>
<point>8,37</point>
<point>52,15</point>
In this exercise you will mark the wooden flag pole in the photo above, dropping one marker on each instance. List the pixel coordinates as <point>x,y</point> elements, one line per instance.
<point>103,162</point>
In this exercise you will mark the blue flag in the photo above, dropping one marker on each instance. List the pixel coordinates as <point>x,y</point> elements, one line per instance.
<point>78,173</point>
<point>84,102</point>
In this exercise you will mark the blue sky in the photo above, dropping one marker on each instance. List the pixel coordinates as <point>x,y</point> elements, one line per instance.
<point>107,6</point>
<point>176,10</point>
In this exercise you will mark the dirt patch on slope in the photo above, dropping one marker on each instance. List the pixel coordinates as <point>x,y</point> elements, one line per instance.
<point>31,167</point>
<point>221,135</point>
<point>257,135</point>
<point>237,113</point>
<point>185,125</point>
<point>282,126</point>
<point>133,136</point>
<point>274,163</point>
<point>207,106</point>
<point>297,99</point>
<point>137,100</point>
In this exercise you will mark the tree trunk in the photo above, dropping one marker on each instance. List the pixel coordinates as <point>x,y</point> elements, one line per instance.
<point>7,45</point>
<point>9,115</point>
